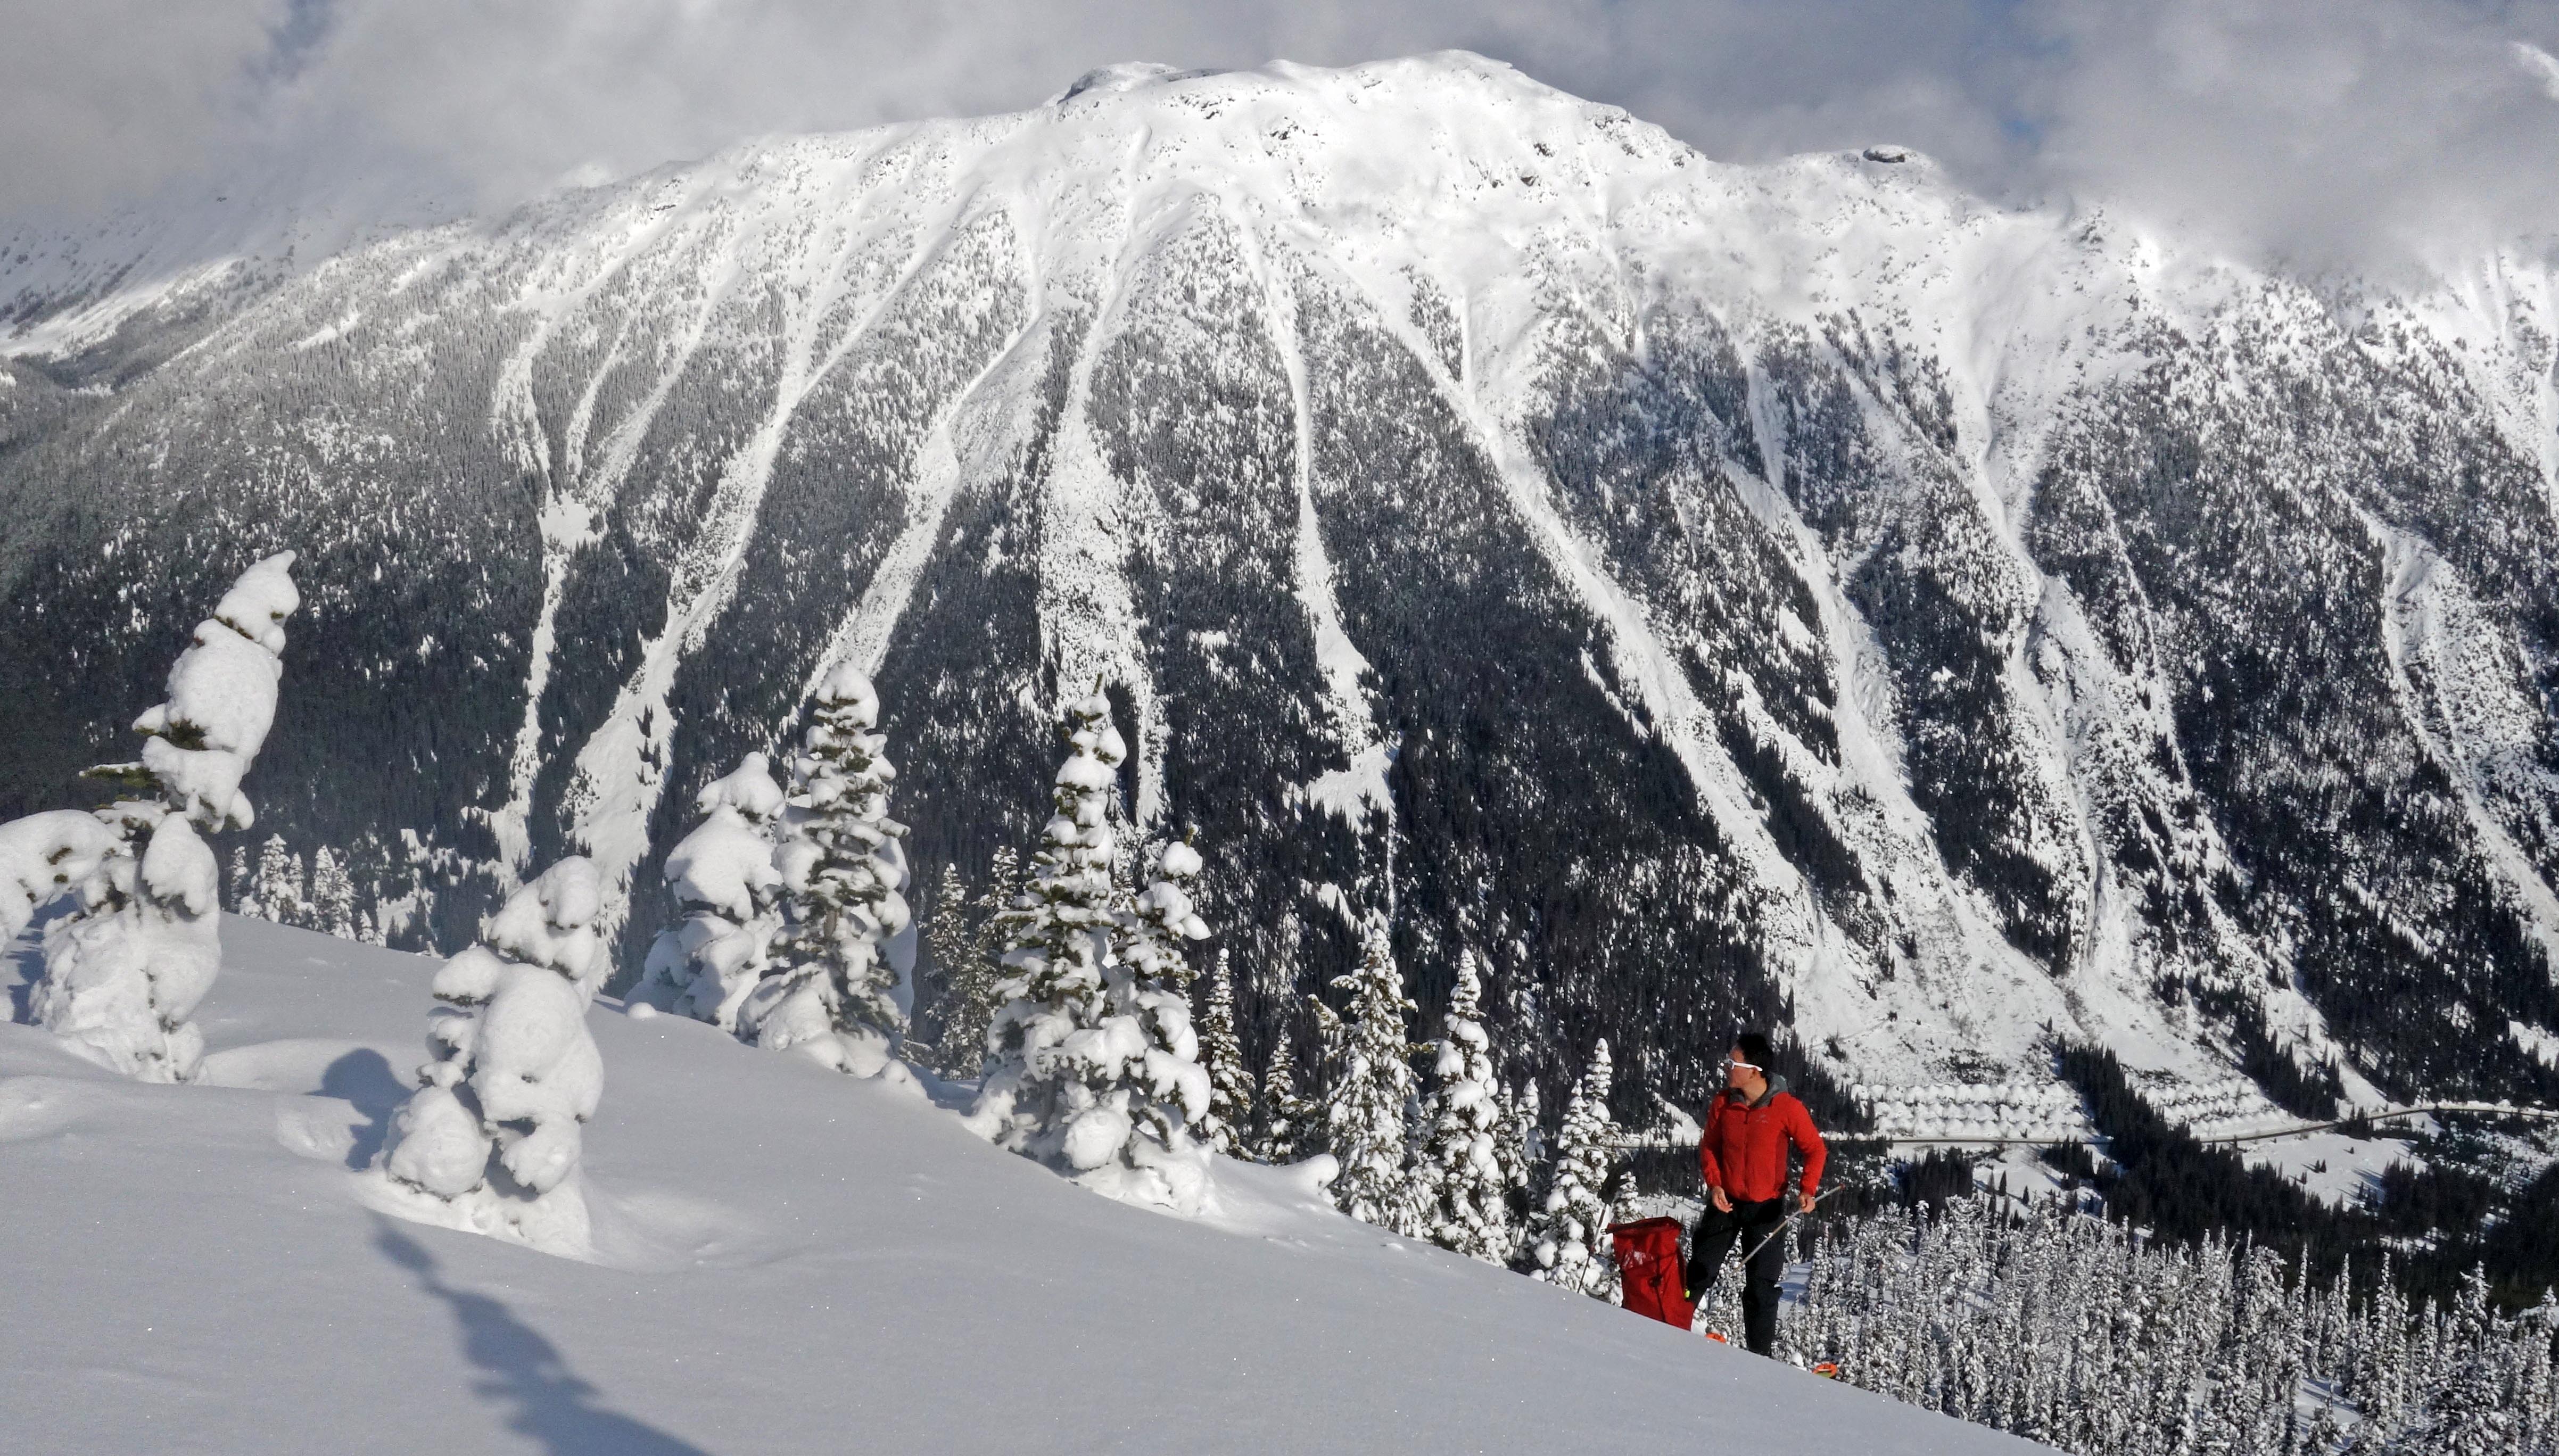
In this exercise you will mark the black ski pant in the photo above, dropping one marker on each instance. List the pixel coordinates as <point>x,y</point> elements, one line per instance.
<point>1751,1225</point>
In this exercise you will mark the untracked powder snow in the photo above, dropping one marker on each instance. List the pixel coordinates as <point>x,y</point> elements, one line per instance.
<point>780,1259</point>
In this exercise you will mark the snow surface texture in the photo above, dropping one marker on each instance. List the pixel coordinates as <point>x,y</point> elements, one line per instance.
<point>491,1140</point>
<point>124,969</point>
<point>834,1281</point>
<point>1948,620</point>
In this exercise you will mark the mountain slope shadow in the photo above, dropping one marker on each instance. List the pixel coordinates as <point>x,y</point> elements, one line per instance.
<point>551,1403</point>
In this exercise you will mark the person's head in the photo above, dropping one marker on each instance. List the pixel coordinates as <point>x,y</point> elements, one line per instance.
<point>1746,1069</point>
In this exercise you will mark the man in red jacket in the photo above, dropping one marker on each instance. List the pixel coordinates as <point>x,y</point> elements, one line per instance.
<point>1744,1157</point>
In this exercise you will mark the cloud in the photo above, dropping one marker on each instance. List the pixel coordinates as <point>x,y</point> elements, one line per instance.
<point>2351,130</point>
<point>2331,133</point>
<point>2540,65</point>
<point>103,99</point>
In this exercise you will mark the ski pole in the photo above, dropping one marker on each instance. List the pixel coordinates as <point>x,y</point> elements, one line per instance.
<point>1782,1227</point>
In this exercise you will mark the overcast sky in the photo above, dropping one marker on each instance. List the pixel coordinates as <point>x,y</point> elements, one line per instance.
<point>2316,129</point>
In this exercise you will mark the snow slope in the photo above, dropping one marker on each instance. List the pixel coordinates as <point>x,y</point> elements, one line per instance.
<point>786,1261</point>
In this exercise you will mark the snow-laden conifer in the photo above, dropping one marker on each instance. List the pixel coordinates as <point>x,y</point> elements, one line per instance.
<point>1093,1068</point>
<point>333,895</point>
<point>1515,1148</point>
<point>1567,1238</point>
<point>1366,1090</point>
<point>493,1132</point>
<point>127,968</point>
<point>974,979</point>
<point>953,952</point>
<point>276,892</point>
<point>46,855</point>
<point>730,893</point>
<point>1282,1113</point>
<point>1230,1087</point>
<point>842,867</point>
<point>1467,1210</point>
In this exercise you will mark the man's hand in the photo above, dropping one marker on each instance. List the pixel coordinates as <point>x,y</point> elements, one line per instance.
<point>1804,1202</point>
<point>1722,1205</point>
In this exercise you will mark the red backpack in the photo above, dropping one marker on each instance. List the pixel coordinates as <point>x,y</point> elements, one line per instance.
<point>1648,1270</point>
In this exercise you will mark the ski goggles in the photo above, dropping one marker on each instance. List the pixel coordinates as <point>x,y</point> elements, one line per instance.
<point>1734,1062</point>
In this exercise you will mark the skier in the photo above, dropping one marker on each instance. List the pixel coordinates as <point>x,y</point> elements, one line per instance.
<point>1744,1157</point>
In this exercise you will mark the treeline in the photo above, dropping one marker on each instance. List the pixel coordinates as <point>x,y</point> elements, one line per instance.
<point>2085,1335</point>
<point>2441,1219</point>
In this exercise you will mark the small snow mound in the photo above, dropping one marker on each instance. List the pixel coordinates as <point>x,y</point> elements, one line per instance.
<point>556,1224</point>
<point>640,1011</point>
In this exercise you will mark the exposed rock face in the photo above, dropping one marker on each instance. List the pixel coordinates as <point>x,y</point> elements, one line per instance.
<point>1711,594</point>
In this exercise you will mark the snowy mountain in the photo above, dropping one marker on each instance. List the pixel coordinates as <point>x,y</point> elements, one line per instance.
<point>784,1260</point>
<point>1711,594</point>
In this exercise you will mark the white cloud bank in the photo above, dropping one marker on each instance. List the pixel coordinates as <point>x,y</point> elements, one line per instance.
<point>2348,130</point>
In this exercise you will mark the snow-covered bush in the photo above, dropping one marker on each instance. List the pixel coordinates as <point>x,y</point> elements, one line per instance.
<point>1230,1088</point>
<point>730,893</point>
<point>125,969</point>
<point>493,1130</point>
<point>1468,1208</point>
<point>1092,1067</point>
<point>833,998</point>
<point>1367,1086</point>
<point>1568,1238</point>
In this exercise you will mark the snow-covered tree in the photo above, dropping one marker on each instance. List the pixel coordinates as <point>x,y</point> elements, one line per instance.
<point>277,893</point>
<point>728,892</point>
<point>1467,1210</point>
<point>1093,1067</point>
<point>1515,1148</point>
<point>2469,1409</point>
<point>1567,1238</point>
<point>1283,1113</point>
<point>494,1129</point>
<point>46,855</point>
<point>962,979</point>
<point>1155,922</point>
<point>974,978</point>
<point>127,968</point>
<point>1366,1089</point>
<point>243,892</point>
<point>1151,978</point>
<point>1230,1087</point>
<point>333,895</point>
<point>842,868</point>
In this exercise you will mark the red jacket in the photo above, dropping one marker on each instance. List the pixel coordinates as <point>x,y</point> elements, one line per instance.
<point>1743,1151</point>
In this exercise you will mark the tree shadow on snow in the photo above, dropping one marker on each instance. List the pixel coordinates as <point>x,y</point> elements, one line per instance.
<point>551,1404</point>
<point>364,1079</point>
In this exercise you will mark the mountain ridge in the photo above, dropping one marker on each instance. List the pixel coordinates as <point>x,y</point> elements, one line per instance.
<point>1710,593</point>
